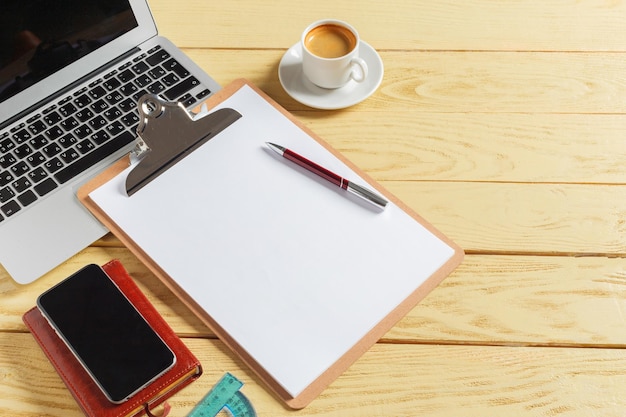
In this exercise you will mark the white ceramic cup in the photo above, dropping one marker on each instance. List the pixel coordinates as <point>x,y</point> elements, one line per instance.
<point>330,54</point>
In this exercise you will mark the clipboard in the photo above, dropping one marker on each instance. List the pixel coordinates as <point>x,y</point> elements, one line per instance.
<point>299,296</point>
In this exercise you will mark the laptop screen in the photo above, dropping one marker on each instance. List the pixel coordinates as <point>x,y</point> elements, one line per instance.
<point>40,37</point>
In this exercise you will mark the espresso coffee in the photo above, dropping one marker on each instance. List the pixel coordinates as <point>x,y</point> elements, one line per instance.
<point>330,41</point>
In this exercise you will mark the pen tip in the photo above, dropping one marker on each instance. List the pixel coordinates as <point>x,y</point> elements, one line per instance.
<point>276,148</point>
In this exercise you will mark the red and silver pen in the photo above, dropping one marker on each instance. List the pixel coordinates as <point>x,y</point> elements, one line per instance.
<point>339,181</point>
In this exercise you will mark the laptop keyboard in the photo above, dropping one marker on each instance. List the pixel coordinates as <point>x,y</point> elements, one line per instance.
<point>42,153</point>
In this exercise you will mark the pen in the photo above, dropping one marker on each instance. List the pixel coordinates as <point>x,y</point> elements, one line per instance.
<point>338,180</point>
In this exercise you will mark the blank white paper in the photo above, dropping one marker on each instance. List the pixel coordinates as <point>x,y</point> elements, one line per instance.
<point>295,270</point>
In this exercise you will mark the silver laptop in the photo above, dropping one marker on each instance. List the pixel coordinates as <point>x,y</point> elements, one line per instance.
<point>71,72</point>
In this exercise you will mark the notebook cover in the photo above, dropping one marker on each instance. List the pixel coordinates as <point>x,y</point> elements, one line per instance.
<point>85,391</point>
<point>332,373</point>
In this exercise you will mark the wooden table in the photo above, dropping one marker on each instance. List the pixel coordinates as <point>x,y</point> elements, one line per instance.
<point>503,124</point>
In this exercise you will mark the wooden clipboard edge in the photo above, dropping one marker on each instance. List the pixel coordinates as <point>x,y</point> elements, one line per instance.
<point>362,346</point>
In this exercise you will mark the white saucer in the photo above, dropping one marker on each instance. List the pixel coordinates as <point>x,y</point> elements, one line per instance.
<point>301,89</point>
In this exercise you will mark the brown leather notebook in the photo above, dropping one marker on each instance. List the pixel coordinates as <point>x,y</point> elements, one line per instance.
<point>90,398</point>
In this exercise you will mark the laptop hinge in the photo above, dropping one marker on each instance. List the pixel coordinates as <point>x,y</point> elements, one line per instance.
<point>41,104</point>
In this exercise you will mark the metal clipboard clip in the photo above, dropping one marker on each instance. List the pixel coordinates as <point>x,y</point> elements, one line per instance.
<point>167,133</point>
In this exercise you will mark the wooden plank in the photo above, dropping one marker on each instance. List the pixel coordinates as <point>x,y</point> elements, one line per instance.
<point>504,300</point>
<point>521,147</point>
<point>442,25</point>
<point>567,219</point>
<point>477,82</point>
<point>390,379</point>
<point>524,301</point>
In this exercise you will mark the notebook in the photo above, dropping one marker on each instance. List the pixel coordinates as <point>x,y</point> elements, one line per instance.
<point>292,274</point>
<point>80,384</point>
<point>70,76</point>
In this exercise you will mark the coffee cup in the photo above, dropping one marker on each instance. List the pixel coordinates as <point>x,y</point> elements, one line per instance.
<point>330,54</point>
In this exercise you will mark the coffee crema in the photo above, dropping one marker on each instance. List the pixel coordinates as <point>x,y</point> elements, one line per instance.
<point>330,41</point>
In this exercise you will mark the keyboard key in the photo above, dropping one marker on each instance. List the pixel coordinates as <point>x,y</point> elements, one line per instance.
<point>17,127</point>
<point>128,89</point>
<point>156,72</point>
<point>20,168</point>
<point>69,124</point>
<point>27,198</point>
<point>85,146</point>
<point>140,68</point>
<point>5,178</point>
<point>6,194</point>
<point>36,159</point>
<point>82,101</point>
<point>112,114</point>
<point>37,174</point>
<point>82,131</point>
<point>52,118</point>
<point>99,106</point>
<point>22,184</point>
<point>157,57</point>
<point>6,145</point>
<point>21,136</point>
<point>126,75</point>
<point>69,156</point>
<point>84,115</point>
<point>100,137</point>
<point>156,88</point>
<point>173,65</point>
<point>114,97</point>
<point>202,94</point>
<point>97,122</point>
<point>130,119</point>
<point>139,94</point>
<point>37,127</point>
<point>7,160</point>
<point>91,158</point>
<point>143,80</point>
<point>22,151</point>
<point>54,132</point>
<point>53,165</point>
<point>51,150</point>
<point>67,140</point>
<point>67,109</point>
<point>114,128</point>
<point>127,105</point>
<point>38,141</point>
<point>170,79</point>
<point>180,89</point>
<point>45,187</point>
<point>189,101</point>
<point>139,58</point>
<point>112,84</point>
<point>97,92</point>
<point>10,208</point>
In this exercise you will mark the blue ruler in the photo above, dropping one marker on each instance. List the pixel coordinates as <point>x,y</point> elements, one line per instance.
<point>225,394</point>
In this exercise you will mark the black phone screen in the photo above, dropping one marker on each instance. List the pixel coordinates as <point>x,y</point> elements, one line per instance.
<point>107,334</point>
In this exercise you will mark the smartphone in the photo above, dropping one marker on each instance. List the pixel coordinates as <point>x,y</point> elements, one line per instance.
<point>109,337</point>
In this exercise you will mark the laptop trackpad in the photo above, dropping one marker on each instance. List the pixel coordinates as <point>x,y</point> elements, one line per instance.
<point>53,232</point>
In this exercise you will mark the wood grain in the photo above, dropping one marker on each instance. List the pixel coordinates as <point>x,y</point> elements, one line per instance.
<point>565,25</point>
<point>453,81</point>
<point>502,123</point>
<point>404,380</point>
<point>491,300</point>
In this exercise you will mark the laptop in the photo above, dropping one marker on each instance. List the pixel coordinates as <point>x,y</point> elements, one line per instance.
<point>71,72</point>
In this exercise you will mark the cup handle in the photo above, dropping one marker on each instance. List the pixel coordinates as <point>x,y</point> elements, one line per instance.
<point>359,69</point>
